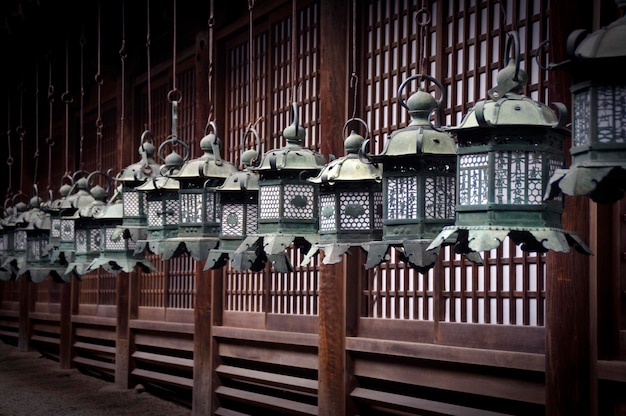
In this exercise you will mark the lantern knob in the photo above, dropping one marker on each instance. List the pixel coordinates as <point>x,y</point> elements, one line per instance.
<point>98,193</point>
<point>173,160</point>
<point>64,190</point>
<point>82,184</point>
<point>149,149</point>
<point>249,157</point>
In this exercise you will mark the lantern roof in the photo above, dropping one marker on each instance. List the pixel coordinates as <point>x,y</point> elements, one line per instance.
<point>292,156</point>
<point>210,164</point>
<point>419,137</point>
<point>350,167</point>
<point>244,180</point>
<point>607,42</point>
<point>158,183</point>
<point>506,107</point>
<point>144,169</point>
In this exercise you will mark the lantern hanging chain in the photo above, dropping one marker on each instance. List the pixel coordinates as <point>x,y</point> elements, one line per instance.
<point>211,24</point>
<point>99,80</point>
<point>21,132</point>
<point>67,99</point>
<point>10,157</point>
<point>354,78</point>
<point>251,79</point>
<point>149,87</point>
<point>36,155</point>
<point>294,58</point>
<point>174,96</point>
<point>50,139</point>
<point>83,41</point>
<point>123,75</point>
<point>422,19</point>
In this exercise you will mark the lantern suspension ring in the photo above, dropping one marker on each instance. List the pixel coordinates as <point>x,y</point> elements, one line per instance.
<point>146,137</point>
<point>359,146</point>
<point>519,78</point>
<point>216,143</point>
<point>250,157</point>
<point>439,102</point>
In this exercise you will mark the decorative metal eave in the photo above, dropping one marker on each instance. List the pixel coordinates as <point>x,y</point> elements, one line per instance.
<point>603,184</point>
<point>274,248</point>
<point>473,240</point>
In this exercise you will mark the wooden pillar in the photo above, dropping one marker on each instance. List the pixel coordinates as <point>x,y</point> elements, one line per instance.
<point>216,296</point>
<point>568,379</point>
<point>65,330</point>
<point>122,335</point>
<point>202,368</point>
<point>334,77</point>
<point>23,340</point>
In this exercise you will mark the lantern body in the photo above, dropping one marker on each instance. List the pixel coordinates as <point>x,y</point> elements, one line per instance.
<point>287,204</point>
<point>502,173</point>
<point>238,199</point>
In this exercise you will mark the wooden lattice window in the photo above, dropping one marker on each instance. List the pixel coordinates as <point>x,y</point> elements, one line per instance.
<point>462,48</point>
<point>272,94</point>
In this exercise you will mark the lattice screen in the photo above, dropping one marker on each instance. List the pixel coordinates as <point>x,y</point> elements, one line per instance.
<point>462,49</point>
<point>296,292</point>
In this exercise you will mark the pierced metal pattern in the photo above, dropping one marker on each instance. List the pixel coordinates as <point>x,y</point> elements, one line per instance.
<point>191,208</point>
<point>81,241</point>
<point>378,210</point>
<point>232,221</point>
<point>55,227</point>
<point>299,201</point>
<point>95,240</point>
<point>131,203</point>
<point>582,112</point>
<point>327,213</point>
<point>110,244</point>
<point>269,201</point>
<point>355,211</point>
<point>67,230</point>
<point>171,212</point>
<point>20,240</point>
<point>212,211</point>
<point>154,219</point>
<point>34,250</point>
<point>473,179</point>
<point>440,197</point>
<point>403,198</point>
<point>252,219</point>
<point>518,178</point>
<point>611,106</point>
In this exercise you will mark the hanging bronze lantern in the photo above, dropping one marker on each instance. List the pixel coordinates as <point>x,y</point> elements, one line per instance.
<point>162,204</point>
<point>123,220</point>
<point>199,213</point>
<point>238,199</point>
<point>38,264</point>
<point>288,209</point>
<point>419,181</point>
<point>350,200</point>
<point>509,146</point>
<point>14,238</point>
<point>597,63</point>
<point>87,233</point>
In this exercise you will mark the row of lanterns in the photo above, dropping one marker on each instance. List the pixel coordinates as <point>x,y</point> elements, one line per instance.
<point>502,177</point>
